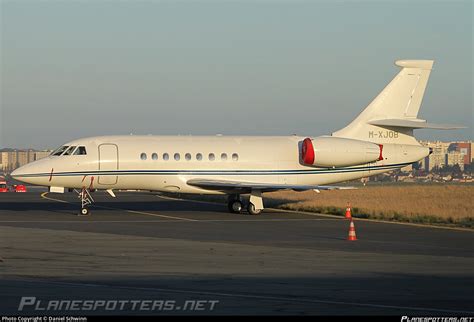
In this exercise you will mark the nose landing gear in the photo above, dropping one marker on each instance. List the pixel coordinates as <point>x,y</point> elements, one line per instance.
<point>86,200</point>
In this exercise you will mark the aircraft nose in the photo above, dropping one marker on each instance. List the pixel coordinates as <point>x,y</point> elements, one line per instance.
<point>32,173</point>
<point>17,174</point>
<point>24,173</point>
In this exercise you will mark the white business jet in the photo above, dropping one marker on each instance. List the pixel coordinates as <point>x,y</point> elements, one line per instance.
<point>380,139</point>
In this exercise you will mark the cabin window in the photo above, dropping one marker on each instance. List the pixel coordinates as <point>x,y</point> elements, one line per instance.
<point>80,151</point>
<point>224,156</point>
<point>154,156</point>
<point>199,156</point>
<point>212,157</point>
<point>166,156</point>
<point>143,156</point>
<point>177,156</point>
<point>187,156</point>
<point>235,157</point>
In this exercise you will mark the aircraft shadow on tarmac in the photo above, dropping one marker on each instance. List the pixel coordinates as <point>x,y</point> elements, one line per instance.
<point>134,202</point>
<point>73,207</point>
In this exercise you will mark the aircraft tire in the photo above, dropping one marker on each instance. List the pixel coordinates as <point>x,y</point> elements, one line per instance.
<point>251,209</point>
<point>235,206</point>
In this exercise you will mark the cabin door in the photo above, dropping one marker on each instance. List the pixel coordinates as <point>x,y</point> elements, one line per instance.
<point>108,163</point>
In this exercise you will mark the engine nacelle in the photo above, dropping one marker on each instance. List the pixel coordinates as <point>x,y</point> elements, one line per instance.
<point>328,152</point>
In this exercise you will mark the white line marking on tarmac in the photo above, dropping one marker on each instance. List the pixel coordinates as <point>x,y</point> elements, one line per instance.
<point>188,200</point>
<point>306,213</point>
<point>376,220</point>
<point>333,217</point>
<point>146,213</point>
<point>177,219</point>
<point>43,195</point>
<point>252,296</point>
<point>156,221</point>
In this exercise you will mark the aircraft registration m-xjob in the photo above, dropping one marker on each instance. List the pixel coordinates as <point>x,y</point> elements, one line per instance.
<point>380,139</point>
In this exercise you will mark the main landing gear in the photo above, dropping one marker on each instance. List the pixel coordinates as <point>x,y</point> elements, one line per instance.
<point>86,200</point>
<point>254,207</point>
<point>234,203</point>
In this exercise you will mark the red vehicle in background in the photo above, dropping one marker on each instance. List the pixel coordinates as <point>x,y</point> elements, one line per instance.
<point>3,186</point>
<point>18,188</point>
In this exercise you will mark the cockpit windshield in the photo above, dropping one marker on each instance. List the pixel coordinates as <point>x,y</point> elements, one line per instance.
<point>69,150</point>
<point>80,151</point>
<point>60,150</point>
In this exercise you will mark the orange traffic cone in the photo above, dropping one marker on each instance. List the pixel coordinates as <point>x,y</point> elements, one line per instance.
<point>348,211</point>
<point>352,232</point>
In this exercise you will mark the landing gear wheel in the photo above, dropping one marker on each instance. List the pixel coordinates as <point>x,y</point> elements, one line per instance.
<point>235,206</point>
<point>84,211</point>
<point>251,209</point>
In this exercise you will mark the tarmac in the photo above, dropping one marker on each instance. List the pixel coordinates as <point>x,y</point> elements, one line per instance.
<point>142,246</point>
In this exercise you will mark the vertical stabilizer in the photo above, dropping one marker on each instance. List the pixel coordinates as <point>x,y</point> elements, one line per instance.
<point>399,100</point>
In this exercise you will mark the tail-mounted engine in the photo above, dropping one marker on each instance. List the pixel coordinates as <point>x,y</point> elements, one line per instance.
<point>331,152</point>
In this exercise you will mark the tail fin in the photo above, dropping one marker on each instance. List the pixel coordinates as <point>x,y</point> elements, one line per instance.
<point>392,115</point>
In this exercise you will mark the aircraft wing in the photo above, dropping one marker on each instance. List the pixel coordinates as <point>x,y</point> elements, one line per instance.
<point>246,187</point>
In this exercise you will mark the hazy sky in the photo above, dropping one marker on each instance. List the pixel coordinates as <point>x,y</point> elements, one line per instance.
<point>71,69</point>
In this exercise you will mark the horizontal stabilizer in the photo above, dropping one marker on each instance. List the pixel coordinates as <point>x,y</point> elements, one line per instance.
<point>422,64</point>
<point>414,124</point>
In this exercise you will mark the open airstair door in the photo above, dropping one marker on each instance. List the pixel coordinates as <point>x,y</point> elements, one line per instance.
<point>108,163</point>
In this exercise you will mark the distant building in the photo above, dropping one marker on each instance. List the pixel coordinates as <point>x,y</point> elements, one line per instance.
<point>455,157</point>
<point>12,159</point>
<point>24,157</point>
<point>4,157</point>
<point>437,159</point>
<point>447,153</point>
<point>41,154</point>
<point>463,148</point>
